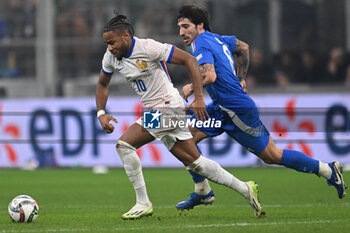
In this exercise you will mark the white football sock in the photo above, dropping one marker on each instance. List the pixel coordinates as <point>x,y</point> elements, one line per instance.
<point>324,170</point>
<point>214,172</point>
<point>133,169</point>
<point>202,187</point>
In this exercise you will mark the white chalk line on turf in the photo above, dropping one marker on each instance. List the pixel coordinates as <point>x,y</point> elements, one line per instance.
<point>242,224</point>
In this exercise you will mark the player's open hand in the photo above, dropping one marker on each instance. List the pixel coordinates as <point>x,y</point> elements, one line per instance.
<point>187,90</point>
<point>105,122</point>
<point>198,106</point>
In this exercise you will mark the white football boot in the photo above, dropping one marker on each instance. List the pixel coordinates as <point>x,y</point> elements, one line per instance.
<point>138,211</point>
<point>253,198</point>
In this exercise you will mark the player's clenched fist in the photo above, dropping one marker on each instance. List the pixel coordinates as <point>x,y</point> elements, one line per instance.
<point>187,90</point>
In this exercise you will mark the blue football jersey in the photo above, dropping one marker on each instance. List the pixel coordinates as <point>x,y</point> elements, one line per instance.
<point>226,90</point>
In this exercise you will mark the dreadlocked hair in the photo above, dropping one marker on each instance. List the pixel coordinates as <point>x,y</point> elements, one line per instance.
<point>120,23</point>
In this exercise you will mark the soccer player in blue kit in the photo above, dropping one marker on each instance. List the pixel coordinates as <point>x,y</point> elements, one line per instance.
<point>223,78</point>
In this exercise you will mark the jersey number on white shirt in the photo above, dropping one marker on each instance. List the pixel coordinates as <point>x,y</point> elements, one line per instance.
<point>141,87</point>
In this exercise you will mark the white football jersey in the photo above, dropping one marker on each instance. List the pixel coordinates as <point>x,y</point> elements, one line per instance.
<point>144,68</point>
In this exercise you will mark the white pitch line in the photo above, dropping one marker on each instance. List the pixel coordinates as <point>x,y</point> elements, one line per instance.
<point>242,224</point>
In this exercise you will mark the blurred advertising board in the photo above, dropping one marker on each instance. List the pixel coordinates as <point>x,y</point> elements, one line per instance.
<point>66,132</point>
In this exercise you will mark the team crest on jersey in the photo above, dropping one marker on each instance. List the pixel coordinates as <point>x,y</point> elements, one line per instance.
<point>142,65</point>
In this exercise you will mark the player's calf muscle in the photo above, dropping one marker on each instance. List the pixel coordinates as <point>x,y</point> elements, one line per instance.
<point>185,152</point>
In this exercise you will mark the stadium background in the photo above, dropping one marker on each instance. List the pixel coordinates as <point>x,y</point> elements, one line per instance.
<point>50,57</point>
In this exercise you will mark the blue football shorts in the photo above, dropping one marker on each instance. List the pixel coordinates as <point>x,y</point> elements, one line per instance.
<point>246,128</point>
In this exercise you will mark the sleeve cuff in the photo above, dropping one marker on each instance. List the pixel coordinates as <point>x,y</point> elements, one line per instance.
<point>171,54</point>
<point>106,73</point>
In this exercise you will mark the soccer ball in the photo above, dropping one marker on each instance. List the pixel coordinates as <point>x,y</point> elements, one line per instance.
<point>23,208</point>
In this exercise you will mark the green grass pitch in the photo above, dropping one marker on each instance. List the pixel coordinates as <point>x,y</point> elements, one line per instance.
<point>76,200</point>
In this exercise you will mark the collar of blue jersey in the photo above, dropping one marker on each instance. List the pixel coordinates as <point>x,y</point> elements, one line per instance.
<point>205,32</point>
<point>131,49</point>
<point>193,43</point>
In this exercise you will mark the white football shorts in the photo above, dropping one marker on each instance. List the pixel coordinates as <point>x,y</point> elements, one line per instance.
<point>173,124</point>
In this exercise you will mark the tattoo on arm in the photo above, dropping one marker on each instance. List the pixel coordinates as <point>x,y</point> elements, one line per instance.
<point>242,59</point>
<point>204,68</point>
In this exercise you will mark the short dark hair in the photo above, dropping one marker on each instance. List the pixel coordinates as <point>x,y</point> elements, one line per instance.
<point>195,14</point>
<point>119,22</point>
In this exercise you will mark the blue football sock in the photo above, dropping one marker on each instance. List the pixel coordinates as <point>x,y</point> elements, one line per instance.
<point>299,161</point>
<point>197,178</point>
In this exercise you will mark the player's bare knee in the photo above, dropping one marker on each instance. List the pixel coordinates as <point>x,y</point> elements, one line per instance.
<point>197,134</point>
<point>271,154</point>
<point>268,160</point>
<point>269,157</point>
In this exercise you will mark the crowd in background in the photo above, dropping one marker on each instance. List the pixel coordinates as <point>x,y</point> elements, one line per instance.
<point>79,47</point>
<point>17,33</point>
<point>291,67</point>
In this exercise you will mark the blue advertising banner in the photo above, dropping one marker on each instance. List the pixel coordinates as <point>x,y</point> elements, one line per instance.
<point>66,132</point>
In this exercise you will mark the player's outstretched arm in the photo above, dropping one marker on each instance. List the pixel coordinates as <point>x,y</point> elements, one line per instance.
<point>198,105</point>
<point>101,100</point>
<point>241,59</point>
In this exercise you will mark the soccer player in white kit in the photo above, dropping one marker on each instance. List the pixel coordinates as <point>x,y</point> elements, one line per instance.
<point>142,63</point>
